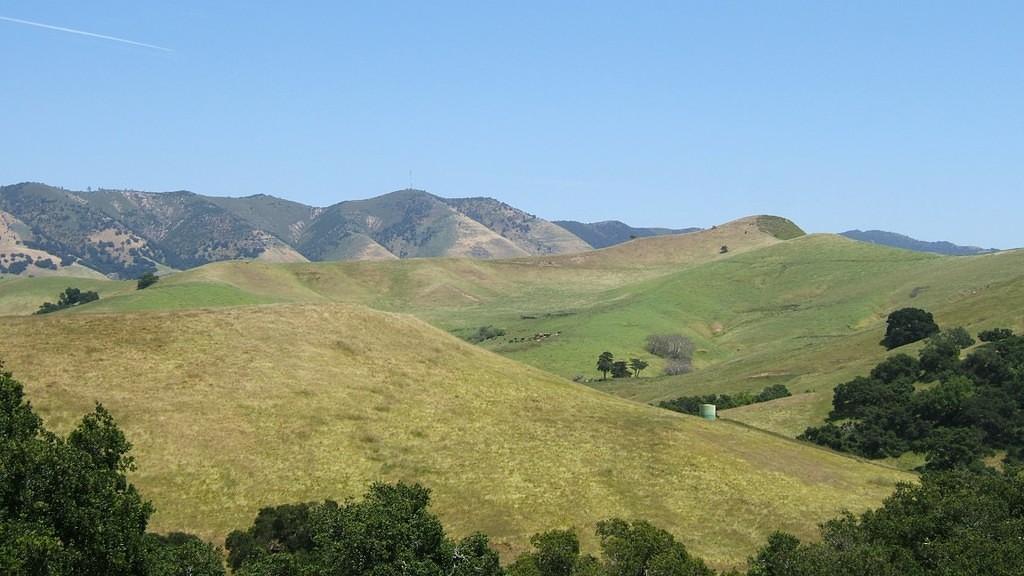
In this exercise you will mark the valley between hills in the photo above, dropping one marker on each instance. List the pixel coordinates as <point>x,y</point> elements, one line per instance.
<point>249,383</point>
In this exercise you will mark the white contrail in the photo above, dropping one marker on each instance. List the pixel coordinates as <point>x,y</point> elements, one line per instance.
<point>84,33</point>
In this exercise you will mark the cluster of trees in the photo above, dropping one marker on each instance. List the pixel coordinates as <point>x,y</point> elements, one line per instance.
<point>676,349</point>
<point>954,523</point>
<point>19,262</point>
<point>68,298</point>
<point>627,549</point>
<point>391,531</point>
<point>146,280</point>
<point>67,508</point>
<point>606,363</point>
<point>485,333</point>
<point>955,411</point>
<point>691,404</point>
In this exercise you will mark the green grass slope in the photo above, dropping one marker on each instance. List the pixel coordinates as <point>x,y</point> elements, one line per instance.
<point>446,291</point>
<point>23,295</point>
<point>239,408</point>
<point>806,312</point>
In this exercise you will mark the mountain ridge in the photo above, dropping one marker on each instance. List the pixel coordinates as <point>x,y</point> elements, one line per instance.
<point>896,240</point>
<point>49,230</point>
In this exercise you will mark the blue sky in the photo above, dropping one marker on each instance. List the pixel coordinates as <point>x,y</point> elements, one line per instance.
<point>905,116</point>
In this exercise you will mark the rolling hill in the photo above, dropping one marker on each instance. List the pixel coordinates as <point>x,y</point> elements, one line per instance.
<point>805,312</point>
<point>233,409</point>
<point>373,394</point>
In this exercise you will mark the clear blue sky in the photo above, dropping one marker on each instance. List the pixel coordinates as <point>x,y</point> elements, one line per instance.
<point>905,116</point>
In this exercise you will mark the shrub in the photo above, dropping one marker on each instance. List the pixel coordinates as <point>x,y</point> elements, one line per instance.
<point>995,334</point>
<point>677,367</point>
<point>691,404</point>
<point>670,346</point>
<point>147,280</point>
<point>485,333</point>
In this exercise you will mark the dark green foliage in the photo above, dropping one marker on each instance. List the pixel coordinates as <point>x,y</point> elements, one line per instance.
<point>484,333</point>
<point>908,325</point>
<point>896,369</point>
<point>276,529</point>
<point>975,406</point>
<point>854,398</point>
<point>473,556</point>
<point>995,334</point>
<point>639,548</point>
<point>68,298</point>
<point>605,363</point>
<point>178,554</point>
<point>620,369</point>
<point>66,506</point>
<point>555,552</point>
<point>950,448</point>
<point>637,366</point>
<point>953,523</point>
<point>777,557</point>
<point>17,267</point>
<point>146,280</point>
<point>960,337</point>
<point>629,549</point>
<point>389,532</point>
<point>691,404</point>
<point>941,355</point>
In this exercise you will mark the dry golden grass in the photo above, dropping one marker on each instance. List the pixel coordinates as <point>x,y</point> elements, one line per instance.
<point>239,408</point>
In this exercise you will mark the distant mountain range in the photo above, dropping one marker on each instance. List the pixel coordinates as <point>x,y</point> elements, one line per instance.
<point>45,230</point>
<point>907,243</point>
<point>612,232</point>
<point>123,233</point>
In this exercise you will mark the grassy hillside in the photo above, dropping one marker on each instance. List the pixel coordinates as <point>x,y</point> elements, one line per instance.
<point>24,295</point>
<point>451,293</point>
<point>806,312</point>
<point>238,408</point>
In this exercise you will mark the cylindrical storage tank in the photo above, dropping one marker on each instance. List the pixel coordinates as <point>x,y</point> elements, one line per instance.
<point>707,411</point>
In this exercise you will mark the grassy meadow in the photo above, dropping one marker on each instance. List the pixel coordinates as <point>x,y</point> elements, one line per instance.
<point>236,408</point>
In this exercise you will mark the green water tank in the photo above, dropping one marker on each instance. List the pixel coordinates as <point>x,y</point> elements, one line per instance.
<point>707,411</point>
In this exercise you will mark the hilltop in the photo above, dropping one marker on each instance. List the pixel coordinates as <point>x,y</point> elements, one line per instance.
<point>238,408</point>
